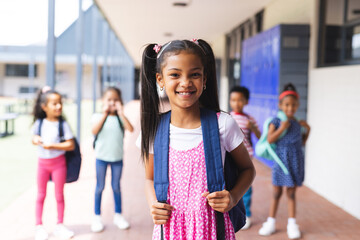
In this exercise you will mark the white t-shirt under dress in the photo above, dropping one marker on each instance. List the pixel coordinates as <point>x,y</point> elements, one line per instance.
<point>184,139</point>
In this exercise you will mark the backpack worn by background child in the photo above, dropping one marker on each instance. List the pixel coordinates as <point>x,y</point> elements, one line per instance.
<point>218,176</point>
<point>73,158</point>
<point>120,123</point>
<point>266,150</point>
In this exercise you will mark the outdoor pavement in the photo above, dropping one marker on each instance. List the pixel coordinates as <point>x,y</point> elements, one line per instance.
<point>318,218</point>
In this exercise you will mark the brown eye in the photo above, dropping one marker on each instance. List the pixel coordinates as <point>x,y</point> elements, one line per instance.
<point>174,75</point>
<point>196,74</point>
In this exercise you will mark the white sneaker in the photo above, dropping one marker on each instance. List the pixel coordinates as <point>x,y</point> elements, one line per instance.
<point>97,225</point>
<point>293,231</point>
<point>41,233</point>
<point>267,228</point>
<point>247,224</point>
<point>120,221</point>
<point>63,232</point>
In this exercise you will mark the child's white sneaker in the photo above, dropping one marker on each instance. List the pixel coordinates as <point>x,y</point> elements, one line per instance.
<point>97,225</point>
<point>41,233</point>
<point>247,224</point>
<point>120,221</point>
<point>293,231</point>
<point>267,228</point>
<point>63,232</point>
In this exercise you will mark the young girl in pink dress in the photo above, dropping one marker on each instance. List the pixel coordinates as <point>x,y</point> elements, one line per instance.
<point>185,70</point>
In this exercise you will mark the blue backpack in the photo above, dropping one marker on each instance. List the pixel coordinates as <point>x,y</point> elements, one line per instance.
<point>73,158</point>
<point>266,150</point>
<point>216,179</point>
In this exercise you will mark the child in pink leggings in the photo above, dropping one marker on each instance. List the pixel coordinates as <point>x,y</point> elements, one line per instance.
<point>52,162</point>
<point>56,168</point>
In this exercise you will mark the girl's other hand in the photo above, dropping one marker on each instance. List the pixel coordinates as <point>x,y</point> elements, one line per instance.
<point>119,108</point>
<point>37,140</point>
<point>220,201</point>
<point>106,108</point>
<point>47,146</point>
<point>305,136</point>
<point>285,124</point>
<point>160,212</point>
<point>304,124</point>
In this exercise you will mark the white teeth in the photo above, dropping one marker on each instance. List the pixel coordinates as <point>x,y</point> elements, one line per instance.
<point>185,93</point>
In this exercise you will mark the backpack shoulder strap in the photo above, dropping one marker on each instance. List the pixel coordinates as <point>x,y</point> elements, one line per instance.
<point>120,123</point>
<point>266,124</point>
<point>161,158</point>
<point>264,149</point>
<point>102,126</point>
<point>211,140</point>
<point>39,127</point>
<point>61,129</point>
<point>214,167</point>
<point>96,136</point>
<point>281,115</point>
<point>265,129</point>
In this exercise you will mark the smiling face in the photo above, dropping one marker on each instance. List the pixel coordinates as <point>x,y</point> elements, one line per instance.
<point>183,78</point>
<point>237,101</point>
<point>289,105</point>
<point>53,106</point>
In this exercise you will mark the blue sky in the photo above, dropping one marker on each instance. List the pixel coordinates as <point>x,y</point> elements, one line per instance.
<point>24,22</point>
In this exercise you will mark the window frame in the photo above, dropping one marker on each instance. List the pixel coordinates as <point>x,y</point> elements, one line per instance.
<point>321,36</point>
<point>7,65</point>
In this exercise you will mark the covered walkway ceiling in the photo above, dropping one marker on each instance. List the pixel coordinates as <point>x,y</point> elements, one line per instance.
<point>138,22</point>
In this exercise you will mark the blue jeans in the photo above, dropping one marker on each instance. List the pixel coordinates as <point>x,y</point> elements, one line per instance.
<point>116,170</point>
<point>247,201</point>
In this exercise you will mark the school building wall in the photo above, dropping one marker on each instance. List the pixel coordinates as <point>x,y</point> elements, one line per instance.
<point>287,11</point>
<point>333,152</point>
<point>10,86</point>
<point>65,80</point>
<point>332,155</point>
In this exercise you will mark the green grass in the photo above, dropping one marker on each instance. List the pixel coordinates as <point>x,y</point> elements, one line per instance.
<point>18,157</point>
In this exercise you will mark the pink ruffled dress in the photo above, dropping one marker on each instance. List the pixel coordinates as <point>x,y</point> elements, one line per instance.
<point>192,217</point>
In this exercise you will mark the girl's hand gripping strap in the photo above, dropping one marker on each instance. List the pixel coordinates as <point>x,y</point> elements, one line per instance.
<point>161,158</point>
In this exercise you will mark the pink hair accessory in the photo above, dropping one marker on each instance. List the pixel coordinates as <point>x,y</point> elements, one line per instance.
<point>45,89</point>
<point>157,48</point>
<point>195,40</point>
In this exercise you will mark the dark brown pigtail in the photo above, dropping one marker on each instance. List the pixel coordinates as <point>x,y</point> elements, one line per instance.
<point>149,100</point>
<point>209,98</point>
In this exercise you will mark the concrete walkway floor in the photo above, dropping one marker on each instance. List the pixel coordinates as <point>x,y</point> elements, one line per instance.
<point>318,218</point>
